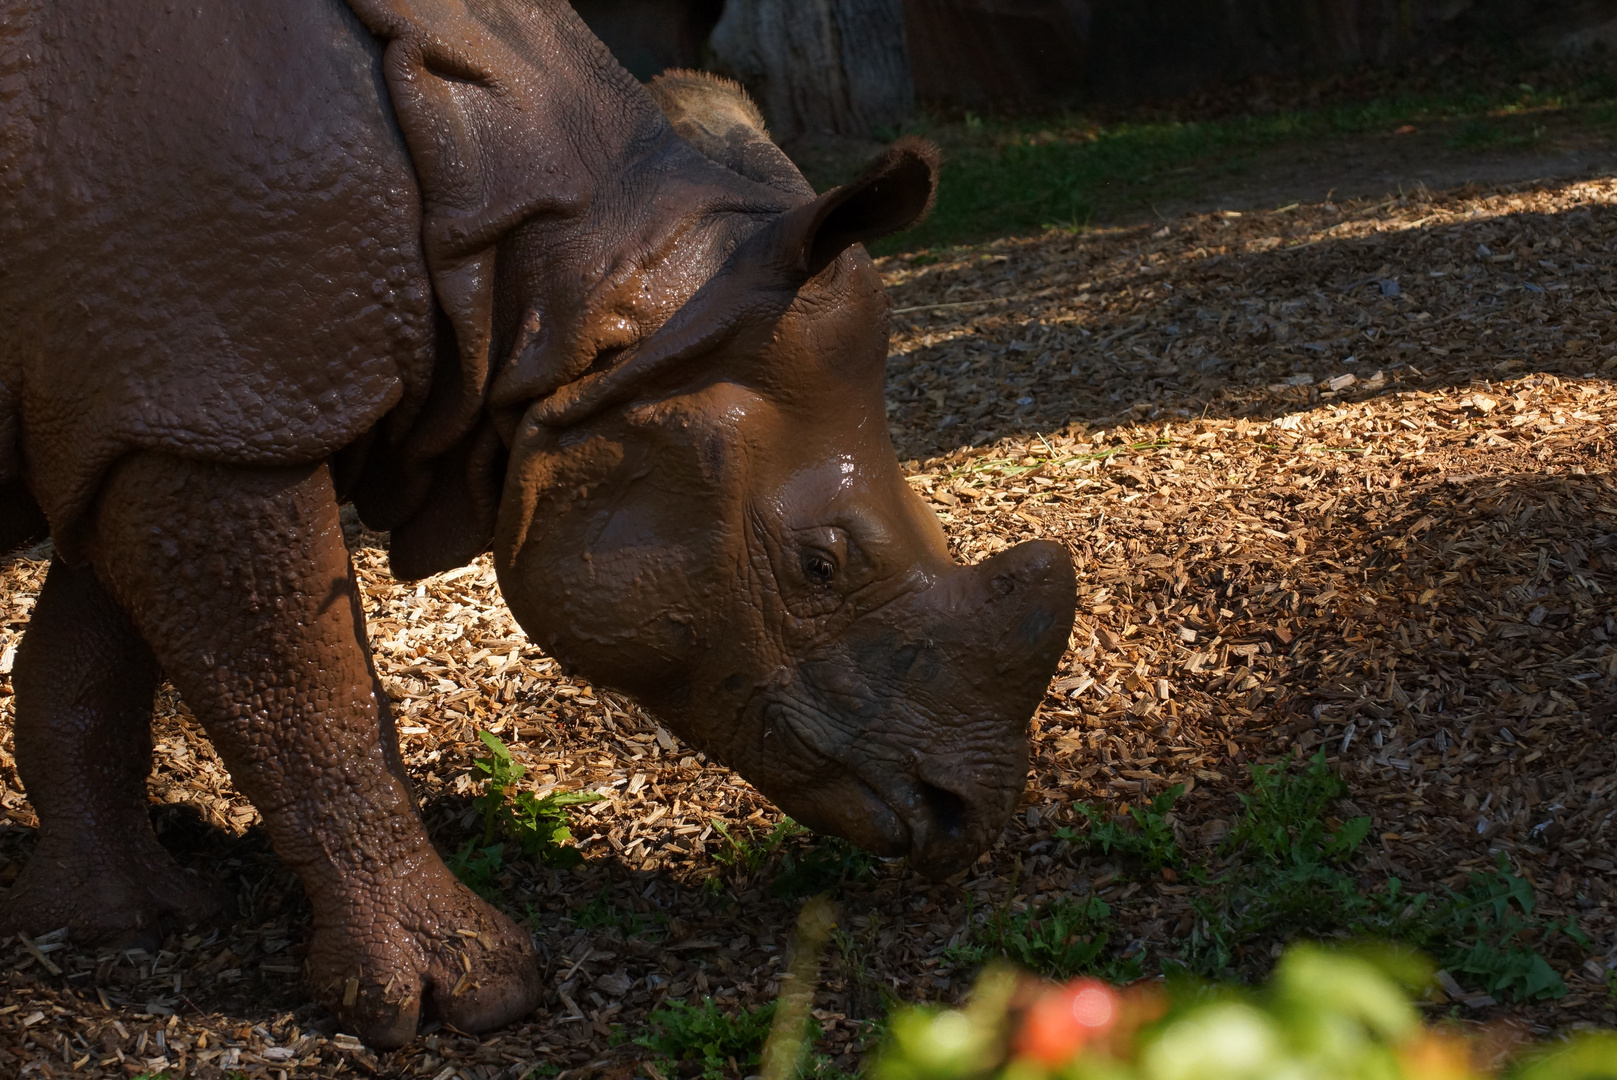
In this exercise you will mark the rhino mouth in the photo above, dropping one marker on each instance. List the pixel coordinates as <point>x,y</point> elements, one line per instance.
<point>944,832</point>
<point>889,800</point>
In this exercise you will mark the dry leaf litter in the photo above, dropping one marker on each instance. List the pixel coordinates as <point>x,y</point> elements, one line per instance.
<point>1335,476</point>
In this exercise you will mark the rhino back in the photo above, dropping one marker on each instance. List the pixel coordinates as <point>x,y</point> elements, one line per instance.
<point>209,238</point>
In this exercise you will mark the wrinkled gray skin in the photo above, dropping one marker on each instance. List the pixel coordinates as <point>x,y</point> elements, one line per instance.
<point>645,366</point>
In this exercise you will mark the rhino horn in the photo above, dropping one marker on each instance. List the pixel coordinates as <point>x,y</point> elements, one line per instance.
<point>720,121</point>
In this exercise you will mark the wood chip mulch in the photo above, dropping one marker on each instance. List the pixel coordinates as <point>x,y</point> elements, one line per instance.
<point>1334,476</point>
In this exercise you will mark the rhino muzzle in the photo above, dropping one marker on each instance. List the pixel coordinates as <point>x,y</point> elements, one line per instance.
<point>915,719</point>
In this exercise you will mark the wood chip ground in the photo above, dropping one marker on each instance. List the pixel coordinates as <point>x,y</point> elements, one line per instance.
<point>1334,476</point>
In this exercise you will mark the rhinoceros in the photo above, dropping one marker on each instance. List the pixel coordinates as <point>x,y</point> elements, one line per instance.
<point>446,261</point>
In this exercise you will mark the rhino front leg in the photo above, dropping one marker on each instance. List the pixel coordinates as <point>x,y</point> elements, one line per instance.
<point>240,581</point>
<point>84,683</point>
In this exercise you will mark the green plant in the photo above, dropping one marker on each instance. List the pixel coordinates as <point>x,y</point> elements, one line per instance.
<point>479,868</point>
<point>1284,872</point>
<point>1150,843</point>
<point>821,865</point>
<point>1287,874</point>
<point>1284,819</point>
<point>1058,938</point>
<point>601,913</point>
<point>536,824</point>
<point>1479,931</point>
<point>748,852</point>
<point>680,1032</point>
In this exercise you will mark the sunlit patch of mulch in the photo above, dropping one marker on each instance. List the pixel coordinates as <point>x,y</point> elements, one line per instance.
<point>1333,477</point>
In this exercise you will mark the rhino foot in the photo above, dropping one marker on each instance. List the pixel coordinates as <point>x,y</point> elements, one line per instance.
<point>131,899</point>
<point>459,961</point>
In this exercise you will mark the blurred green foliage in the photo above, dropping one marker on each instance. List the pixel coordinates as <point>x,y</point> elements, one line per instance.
<point>1324,1015</point>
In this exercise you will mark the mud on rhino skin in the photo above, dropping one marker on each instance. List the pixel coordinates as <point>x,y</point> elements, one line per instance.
<point>445,260</point>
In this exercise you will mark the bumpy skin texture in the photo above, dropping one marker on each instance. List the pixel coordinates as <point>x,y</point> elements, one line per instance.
<point>254,614</point>
<point>210,243</point>
<point>84,679</point>
<point>446,259</point>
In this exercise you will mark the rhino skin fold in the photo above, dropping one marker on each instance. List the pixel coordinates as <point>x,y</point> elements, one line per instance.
<point>445,260</point>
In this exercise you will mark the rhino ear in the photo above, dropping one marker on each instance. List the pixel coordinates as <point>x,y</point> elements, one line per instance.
<point>763,277</point>
<point>894,192</point>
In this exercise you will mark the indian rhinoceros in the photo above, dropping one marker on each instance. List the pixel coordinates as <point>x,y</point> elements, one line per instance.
<point>445,260</point>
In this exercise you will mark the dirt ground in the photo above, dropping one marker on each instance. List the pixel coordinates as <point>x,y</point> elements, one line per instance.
<point>1359,496</point>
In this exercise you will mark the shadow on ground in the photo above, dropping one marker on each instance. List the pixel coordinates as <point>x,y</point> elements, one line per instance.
<point>1249,316</point>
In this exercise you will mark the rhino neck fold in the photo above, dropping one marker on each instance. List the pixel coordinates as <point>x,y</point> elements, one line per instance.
<point>509,111</point>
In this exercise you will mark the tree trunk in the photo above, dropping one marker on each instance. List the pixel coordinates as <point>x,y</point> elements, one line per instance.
<point>817,66</point>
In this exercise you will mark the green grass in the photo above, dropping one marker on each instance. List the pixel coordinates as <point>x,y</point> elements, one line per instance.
<point>1289,874</point>
<point>601,913</point>
<point>819,866</point>
<point>1015,176</point>
<point>1287,869</point>
<point>1149,843</point>
<point>1286,872</point>
<point>807,862</point>
<point>1059,938</point>
<point>677,1032</point>
<point>745,851</point>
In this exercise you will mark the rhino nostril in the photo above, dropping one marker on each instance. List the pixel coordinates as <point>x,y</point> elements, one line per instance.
<point>948,811</point>
<point>1003,584</point>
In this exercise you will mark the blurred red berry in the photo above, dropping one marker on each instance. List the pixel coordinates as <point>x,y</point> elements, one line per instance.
<point>1060,1022</point>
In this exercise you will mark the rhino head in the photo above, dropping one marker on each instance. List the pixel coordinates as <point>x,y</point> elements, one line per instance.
<point>703,508</point>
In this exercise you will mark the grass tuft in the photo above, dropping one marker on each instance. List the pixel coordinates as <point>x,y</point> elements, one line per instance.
<point>1286,870</point>
<point>1011,176</point>
<point>705,1034</point>
<point>536,826</point>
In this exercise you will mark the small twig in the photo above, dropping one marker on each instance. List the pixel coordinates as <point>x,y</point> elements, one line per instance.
<point>1038,295</point>
<point>955,304</point>
<point>34,950</point>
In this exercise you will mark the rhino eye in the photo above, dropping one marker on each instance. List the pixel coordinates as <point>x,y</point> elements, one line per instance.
<point>819,567</point>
